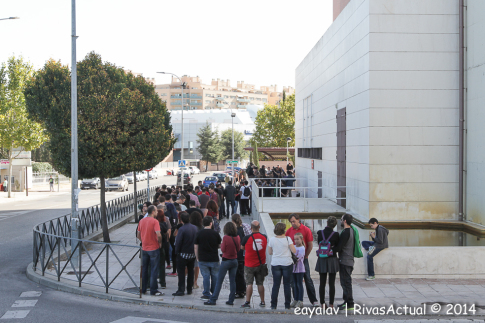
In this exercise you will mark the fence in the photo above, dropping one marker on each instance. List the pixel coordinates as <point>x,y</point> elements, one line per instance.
<point>271,189</point>
<point>54,250</point>
<point>42,179</point>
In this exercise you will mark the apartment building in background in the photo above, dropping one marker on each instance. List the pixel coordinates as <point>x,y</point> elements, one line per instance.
<point>217,95</point>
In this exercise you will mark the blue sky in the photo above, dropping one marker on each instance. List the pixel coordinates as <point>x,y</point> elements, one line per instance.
<point>259,42</point>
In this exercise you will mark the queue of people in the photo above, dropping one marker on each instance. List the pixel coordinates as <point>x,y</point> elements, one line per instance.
<point>188,241</point>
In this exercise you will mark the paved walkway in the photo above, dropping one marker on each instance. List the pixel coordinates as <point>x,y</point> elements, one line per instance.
<point>381,292</point>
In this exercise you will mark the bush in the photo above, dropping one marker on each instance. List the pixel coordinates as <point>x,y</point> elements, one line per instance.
<point>42,168</point>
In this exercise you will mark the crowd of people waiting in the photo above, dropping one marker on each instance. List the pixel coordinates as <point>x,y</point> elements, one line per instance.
<point>186,225</point>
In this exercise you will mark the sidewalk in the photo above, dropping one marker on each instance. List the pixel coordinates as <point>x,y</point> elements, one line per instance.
<point>381,292</point>
<point>33,195</point>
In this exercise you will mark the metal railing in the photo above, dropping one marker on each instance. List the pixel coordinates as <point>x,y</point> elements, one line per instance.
<point>55,250</point>
<point>279,190</point>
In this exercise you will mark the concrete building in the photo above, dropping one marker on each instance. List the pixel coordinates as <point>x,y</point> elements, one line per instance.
<point>378,107</point>
<point>219,120</point>
<point>217,95</point>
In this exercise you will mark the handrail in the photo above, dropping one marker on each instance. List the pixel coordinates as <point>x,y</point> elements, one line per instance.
<point>52,241</point>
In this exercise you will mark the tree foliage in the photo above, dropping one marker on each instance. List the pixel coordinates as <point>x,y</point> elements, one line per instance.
<point>276,123</point>
<point>122,123</point>
<point>209,146</point>
<point>17,130</point>
<point>239,145</point>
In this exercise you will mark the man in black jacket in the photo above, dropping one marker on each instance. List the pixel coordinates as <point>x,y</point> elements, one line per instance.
<point>379,242</point>
<point>229,194</point>
<point>184,249</point>
<point>345,248</point>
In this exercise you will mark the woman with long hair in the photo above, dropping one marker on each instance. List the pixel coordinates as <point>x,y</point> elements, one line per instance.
<point>240,281</point>
<point>230,246</point>
<point>213,211</point>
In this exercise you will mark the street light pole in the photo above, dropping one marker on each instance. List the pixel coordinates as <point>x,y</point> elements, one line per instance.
<point>74,146</point>
<point>182,104</point>
<point>232,119</point>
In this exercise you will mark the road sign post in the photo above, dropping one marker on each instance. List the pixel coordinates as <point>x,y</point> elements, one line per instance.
<point>182,163</point>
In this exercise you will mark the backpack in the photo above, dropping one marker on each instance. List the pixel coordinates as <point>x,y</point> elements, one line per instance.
<point>217,225</point>
<point>324,247</point>
<point>357,249</point>
<point>247,191</point>
<point>172,214</point>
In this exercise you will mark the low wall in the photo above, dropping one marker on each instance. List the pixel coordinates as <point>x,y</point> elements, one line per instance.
<point>408,262</point>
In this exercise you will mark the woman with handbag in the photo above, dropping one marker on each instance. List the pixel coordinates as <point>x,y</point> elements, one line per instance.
<point>230,246</point>
<point>282,249</point>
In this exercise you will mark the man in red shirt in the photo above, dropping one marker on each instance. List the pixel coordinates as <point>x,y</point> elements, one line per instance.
<point>296,226</point>
<point>254,246</point>
<point>151,242</point>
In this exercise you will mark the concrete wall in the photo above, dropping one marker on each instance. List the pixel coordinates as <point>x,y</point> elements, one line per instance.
<point>335,74</point>
<point>413,131</point>
<point>475,111</point>
<point>393,64</point>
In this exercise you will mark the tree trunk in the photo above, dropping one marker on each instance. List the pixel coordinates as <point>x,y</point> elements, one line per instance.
<point>104,218</point>
<point>135,197</point>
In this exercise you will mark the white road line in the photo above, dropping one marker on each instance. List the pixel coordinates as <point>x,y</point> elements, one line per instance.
<point>15,314</point>
<point>25,303</point>
<point>132,319</point>
<point>32,293</point>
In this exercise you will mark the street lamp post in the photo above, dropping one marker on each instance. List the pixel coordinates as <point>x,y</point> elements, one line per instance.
<point>182,105</point>
<point>287,142</point>
<point>74,143</point>
<point>232,119</point>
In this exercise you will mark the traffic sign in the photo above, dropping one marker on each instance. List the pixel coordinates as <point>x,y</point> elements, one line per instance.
<point>231,162</point>
<point>182,163</point>
<point>149,170</point>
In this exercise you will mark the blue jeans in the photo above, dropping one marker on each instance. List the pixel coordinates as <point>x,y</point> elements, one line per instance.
<point>298,278</point>
<point>232,203</point>
<point>278,273</point>
<point>370,258</point>
<point>209,271</point>
<point>310,288</point>
<point>231,267</point>
<point>236,205</point>
<point>150,258</point>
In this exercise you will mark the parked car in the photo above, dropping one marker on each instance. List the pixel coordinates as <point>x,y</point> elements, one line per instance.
<point>210,180</point>
<point>129,177</point>
<point>140,176</point>
<point>91,183</point>
<point>153,174</point>
<point>119,183</point>
<point>183,169</point>
<point>221,176</point>
<point>187,180</point>
<point>194,170</point>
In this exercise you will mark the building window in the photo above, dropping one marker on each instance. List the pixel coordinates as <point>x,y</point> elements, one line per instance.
<point>264,100</point>
<point>233,97</point>
<point>312,153</point>
<point>207,95</point>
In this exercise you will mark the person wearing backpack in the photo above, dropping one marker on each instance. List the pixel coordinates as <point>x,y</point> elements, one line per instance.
<point>327,261</point>
<point>345,248</point>
<point>245,194</point>
<point>379,242</point>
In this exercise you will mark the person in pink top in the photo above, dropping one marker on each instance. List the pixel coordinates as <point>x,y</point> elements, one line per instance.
<point>299,269</point>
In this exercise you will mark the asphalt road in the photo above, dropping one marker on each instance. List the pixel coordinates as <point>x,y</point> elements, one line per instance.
<point>16,223</point>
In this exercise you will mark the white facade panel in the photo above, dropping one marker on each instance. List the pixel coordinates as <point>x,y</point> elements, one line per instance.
<point>413,61</point>
<point>413,42</point>
<point>417,117</point>
<point>475,112</point>
<point>414,98</point>
<point>417,7</point>
<point>414,136</point>
<point>419,24</point>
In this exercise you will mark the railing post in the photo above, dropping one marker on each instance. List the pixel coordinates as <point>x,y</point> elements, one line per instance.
<point>59,259</point>
<point>107,268</point>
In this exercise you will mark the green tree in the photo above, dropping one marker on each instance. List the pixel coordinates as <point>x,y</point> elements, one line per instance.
<point>209,146</point>
<point>255,153</point>
<point>284,96</point>
<point>274,124</point>
<point>239,145</point>
<point>16,129</point>
<point>122,123</point>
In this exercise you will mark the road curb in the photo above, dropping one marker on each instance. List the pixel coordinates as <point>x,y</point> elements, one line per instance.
<point>60,286</point>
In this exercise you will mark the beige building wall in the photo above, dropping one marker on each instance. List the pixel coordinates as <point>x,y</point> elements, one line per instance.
<point>217,95</point>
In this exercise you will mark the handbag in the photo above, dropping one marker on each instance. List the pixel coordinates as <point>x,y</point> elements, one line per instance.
<point>294,258</point>
<point>264,267</point>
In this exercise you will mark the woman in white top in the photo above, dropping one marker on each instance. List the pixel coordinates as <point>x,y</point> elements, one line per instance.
<point>281,247</point>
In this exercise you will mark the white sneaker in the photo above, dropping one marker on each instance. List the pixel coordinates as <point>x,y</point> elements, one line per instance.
<point>293,304</point>
<point>370,278</point>
<point>299,304</point>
